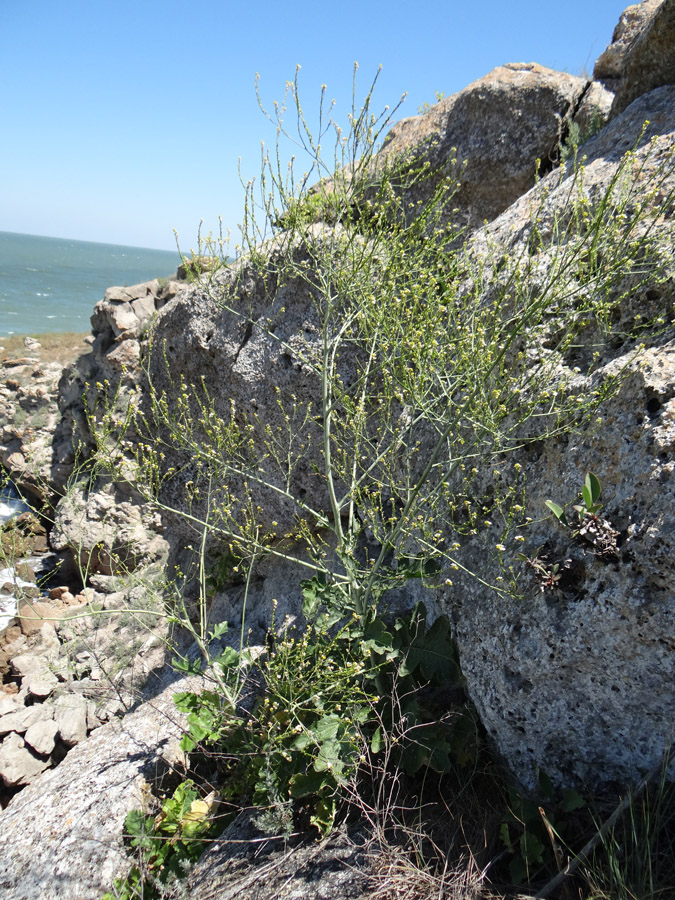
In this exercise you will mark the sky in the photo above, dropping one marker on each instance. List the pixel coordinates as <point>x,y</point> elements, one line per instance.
<point>124,121</point>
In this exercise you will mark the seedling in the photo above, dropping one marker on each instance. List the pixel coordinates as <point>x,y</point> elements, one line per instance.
<point>591,527</point>
<point>590,494</point>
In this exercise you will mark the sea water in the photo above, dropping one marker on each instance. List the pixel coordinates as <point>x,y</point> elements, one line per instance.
<point>51,284</point>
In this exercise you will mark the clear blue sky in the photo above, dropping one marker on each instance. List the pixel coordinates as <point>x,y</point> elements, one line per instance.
<point>124,120</point>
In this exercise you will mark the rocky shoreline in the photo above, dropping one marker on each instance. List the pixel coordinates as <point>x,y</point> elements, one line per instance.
<point>71,658</point>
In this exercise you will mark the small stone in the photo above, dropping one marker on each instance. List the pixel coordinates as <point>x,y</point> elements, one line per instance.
<point>30,663</point>
<point>42,736</point>
<point>71,717</point>
<point>39,687</point>
<point>12,639</point>
<point>8,705</point>
<point>25,572</point>
<point>92,718</point>
<point>33,616</point>
<point>16,461</point>
<point>18,765</point>
<point>21,720</point>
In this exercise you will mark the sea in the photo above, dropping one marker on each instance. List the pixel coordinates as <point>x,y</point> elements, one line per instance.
<point>52,284</point>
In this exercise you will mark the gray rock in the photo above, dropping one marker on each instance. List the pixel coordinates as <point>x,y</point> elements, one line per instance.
<point>642,55</point>
<point>107,533</point>
<point>243,866</point>
<point>21,720</point>
<point>496,129</point>
<point>18,765</point>
<point>8,704</point>
<point>207,342</point>
<point>31,664</point>
<point>119,315</point>
<point>593,111</point>
<point>609,66</point>
<point>578,681</point>
<point>41,685</point>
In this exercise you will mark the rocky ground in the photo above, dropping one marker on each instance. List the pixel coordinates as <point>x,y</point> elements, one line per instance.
<point>73,657</point>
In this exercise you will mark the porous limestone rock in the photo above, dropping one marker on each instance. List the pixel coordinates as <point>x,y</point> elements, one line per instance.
<point>245,368</point>
<point>106,532</point>
<point>241,866</point>
<point>30,412</point>
<point>577,680</point>
<point>496,129</point>
<point>641,56</point>
<point>609,66</point>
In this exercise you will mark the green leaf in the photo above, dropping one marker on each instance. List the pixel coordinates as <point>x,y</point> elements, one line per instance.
<point>304,784</point>
<point>592,484</point>
<point>219,630</point>
<point>324,814</point>
<point>412,567</point>
<point>191,667</point>
<point>518,870</point>
<point>228,659</point>
<point>327,728</point>
<point>557,511</point>
<point>572,800</point>
<point>505,836</point>
<point>329,759</point>
<point>545,784</point>
<point>316,592</point>
<point>186,701</point>
<point>531,849</point>
<point>432,653</point>
<point>376,742</point>
<point>135,823</point>
<point>377,638</point>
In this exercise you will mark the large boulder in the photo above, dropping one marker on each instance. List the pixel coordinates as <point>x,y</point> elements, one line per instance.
<point>641,56</point>
<point>237,363</point>
<point>575,677</point>
<point>491,134</point>
<point>609,66</point>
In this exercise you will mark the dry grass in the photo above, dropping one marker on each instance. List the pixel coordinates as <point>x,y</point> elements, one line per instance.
<point>62,348</point>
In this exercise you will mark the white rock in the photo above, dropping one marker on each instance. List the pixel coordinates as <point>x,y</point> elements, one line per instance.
<point>42,736</point>
<point>18,766</point>
<point>71,717</point>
